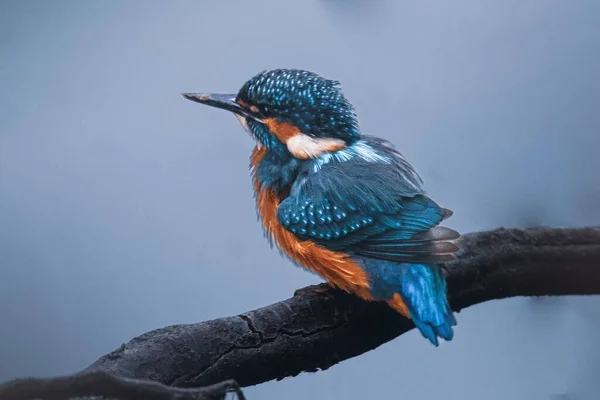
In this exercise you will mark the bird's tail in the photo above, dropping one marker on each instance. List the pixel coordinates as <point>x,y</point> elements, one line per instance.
<point>423,292</point>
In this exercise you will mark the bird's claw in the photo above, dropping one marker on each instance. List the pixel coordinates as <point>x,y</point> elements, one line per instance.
<point>319,289</point>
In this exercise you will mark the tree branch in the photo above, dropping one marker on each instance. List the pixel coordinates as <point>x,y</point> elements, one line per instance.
<point>312,331</point>
<point>110,386</point>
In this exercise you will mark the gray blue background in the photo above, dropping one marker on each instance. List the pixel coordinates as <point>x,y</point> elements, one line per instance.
<point>124,207</point>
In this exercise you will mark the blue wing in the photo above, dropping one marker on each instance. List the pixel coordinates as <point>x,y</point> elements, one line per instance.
<point>375,210</point>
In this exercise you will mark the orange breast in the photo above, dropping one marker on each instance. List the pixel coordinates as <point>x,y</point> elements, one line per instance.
<point>335,267</point>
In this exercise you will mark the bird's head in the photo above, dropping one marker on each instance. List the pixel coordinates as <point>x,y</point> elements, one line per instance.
<point>291,110</point>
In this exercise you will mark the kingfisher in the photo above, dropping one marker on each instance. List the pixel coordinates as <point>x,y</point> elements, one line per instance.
<point>342,204</point>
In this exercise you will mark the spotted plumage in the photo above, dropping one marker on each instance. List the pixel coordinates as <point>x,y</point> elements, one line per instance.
<point>342,204</point>
<point>303,99</point>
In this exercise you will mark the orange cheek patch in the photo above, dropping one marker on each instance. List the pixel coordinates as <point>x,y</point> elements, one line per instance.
<point>282,130</point>
<point>300,145</point>
<point>335,267</point>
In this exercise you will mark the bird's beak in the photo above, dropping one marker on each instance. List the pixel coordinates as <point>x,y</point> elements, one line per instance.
<point>222,101</point>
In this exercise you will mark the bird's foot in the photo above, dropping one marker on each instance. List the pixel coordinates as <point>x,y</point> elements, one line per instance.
<point>319,289</point>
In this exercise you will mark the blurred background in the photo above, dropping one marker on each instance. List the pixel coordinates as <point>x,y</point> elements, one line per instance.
<point>125,208</point>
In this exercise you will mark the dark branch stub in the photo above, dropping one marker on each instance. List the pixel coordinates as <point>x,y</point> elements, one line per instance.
<point>317,329</point>
<point>109,386</point>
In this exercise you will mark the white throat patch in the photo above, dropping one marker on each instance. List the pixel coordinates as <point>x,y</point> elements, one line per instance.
<point>243,122</point>
<point>304,146</point>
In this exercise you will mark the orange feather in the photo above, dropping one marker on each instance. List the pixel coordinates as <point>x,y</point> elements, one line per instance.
<point>301,145</point>
<point>337,268</point>
<point>282,130</point>
<point>397,304</point>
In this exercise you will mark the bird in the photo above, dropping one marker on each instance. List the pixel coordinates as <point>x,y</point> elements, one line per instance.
<point>342,204</point>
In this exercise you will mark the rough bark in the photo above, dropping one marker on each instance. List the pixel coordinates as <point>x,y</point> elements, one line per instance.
<point>99,384</point>
<point>313,331</point>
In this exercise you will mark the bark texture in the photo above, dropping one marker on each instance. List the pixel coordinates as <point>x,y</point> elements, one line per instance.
<point>313,331</point>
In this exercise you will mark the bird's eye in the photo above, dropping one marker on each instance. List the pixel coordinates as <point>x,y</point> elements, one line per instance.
<point>260,111</point>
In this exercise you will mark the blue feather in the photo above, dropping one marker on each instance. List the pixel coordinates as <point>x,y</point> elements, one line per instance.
<point>364,200</point>
<point>423,290</point>
<point>366,217</point>
<point>377,212</point>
